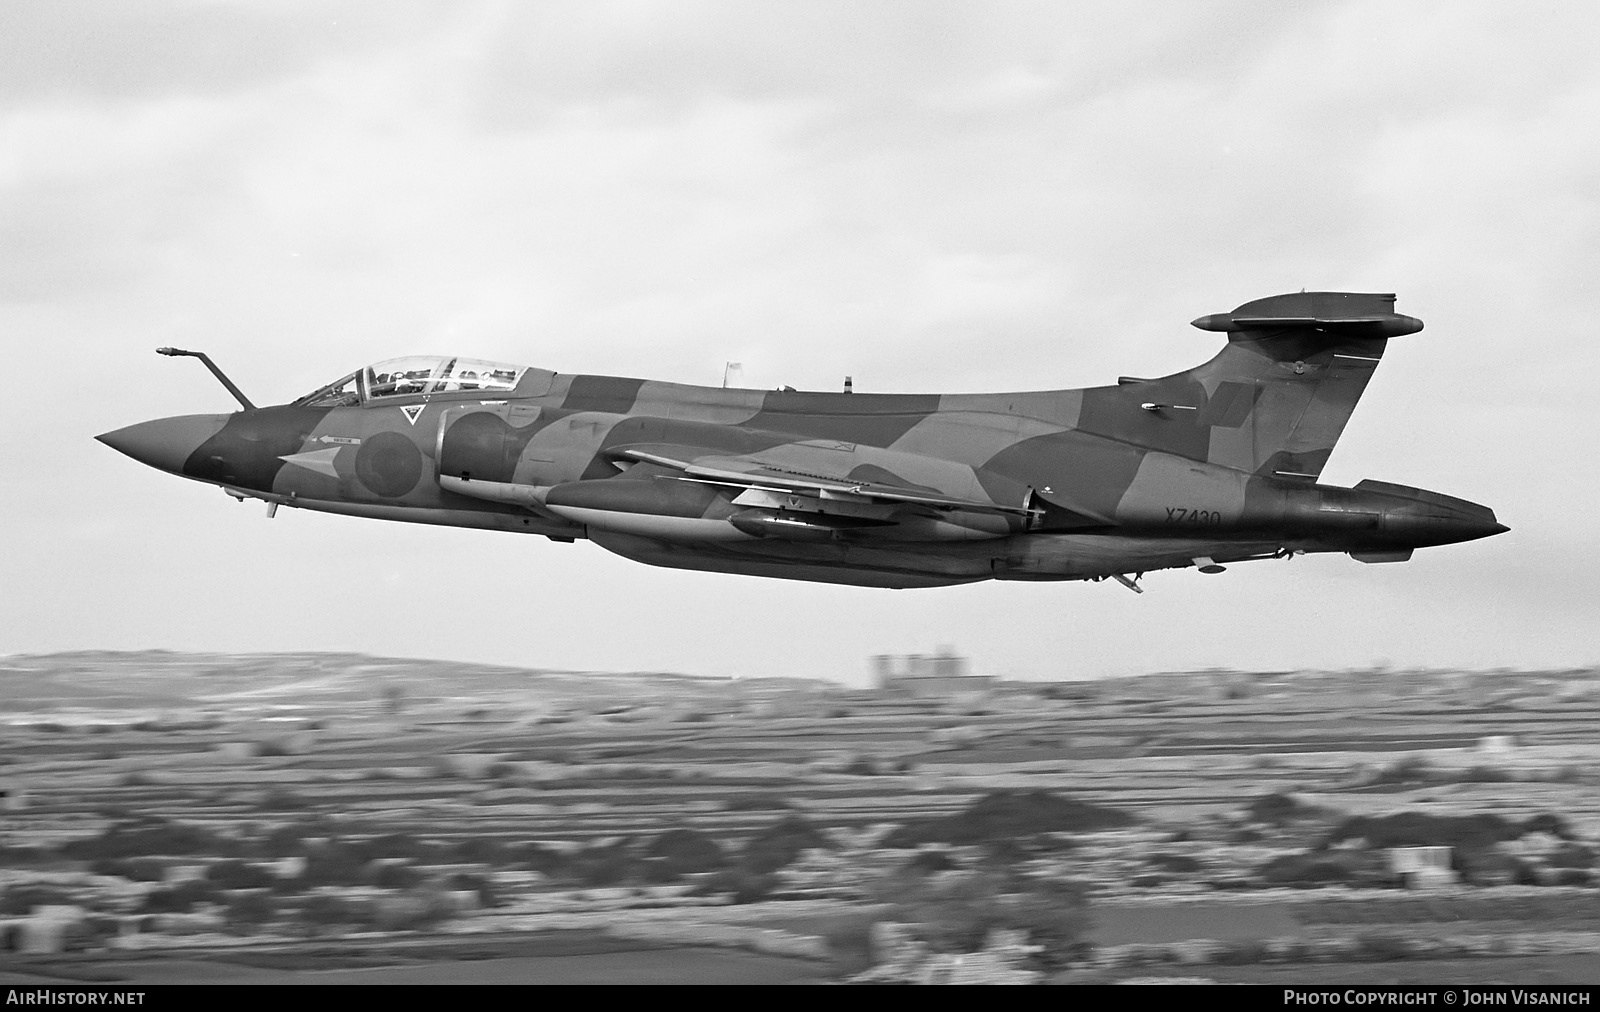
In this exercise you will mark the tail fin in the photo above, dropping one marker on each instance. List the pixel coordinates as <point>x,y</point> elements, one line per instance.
<point>1275,400</point>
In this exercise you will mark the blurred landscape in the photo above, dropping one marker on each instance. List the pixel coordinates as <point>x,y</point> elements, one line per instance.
<point>341,817</point>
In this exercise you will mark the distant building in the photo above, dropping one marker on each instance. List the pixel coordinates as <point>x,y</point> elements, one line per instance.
<point>927,675</point>
<point>1422,867</point>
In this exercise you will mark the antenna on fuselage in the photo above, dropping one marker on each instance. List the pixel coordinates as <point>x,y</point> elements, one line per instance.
<point>730,367</point>
<point>203,357</point>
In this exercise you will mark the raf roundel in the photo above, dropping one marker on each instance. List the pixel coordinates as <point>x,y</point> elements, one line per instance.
<point>389,464</point>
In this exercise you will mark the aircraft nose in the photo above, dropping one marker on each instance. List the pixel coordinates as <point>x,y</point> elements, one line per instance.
<point>165,443</point>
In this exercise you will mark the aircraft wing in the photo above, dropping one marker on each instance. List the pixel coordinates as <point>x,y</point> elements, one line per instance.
<point>811,477</point>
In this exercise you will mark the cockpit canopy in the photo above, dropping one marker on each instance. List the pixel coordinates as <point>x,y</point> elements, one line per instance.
<point>413,375</point>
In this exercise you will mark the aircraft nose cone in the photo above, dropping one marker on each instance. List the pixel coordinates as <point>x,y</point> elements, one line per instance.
<point>165,443</point>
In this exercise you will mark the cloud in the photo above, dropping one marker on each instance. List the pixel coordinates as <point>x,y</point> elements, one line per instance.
<point>126,53</point>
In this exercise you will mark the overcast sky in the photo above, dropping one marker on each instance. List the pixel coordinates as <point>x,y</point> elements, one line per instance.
<point>928,196</point>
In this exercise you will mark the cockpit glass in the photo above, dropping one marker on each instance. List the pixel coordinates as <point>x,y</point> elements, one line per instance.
<point>417,374</point>
<point>341,393</point>
<point>401,377</point>
<point>475,374</point>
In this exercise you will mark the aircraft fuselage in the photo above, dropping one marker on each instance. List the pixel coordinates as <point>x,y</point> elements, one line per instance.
<point>1214,465</point>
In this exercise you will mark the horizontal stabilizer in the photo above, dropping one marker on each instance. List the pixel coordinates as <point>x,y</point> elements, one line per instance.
<point>1357,313</point>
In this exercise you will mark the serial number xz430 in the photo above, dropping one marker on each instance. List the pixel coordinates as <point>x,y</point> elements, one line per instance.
<point>1184,515</point>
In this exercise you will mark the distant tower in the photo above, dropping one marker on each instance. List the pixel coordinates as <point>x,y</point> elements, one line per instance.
<point>948,664</point>
<point>882,670</point>
<point>928,675</point>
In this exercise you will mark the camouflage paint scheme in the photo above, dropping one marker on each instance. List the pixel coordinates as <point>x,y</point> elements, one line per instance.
<point>1213,465</point>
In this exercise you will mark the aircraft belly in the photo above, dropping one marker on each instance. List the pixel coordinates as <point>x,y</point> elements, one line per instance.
<point>825,563</point>
<point>1028,557</point>
<point>1092,556</point>
<point>512,521</point>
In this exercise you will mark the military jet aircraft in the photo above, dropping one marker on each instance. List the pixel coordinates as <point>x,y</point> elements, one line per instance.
<point>1213,465</point>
